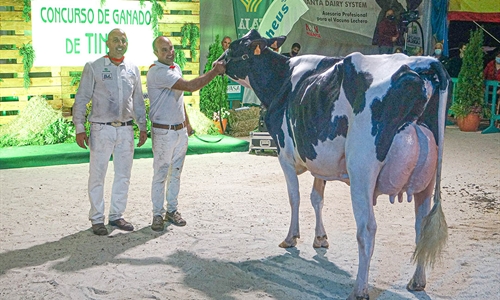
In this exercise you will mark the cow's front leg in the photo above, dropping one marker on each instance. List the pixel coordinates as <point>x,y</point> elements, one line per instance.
<point>362,189</point>
<point>422,209</point>
<point>292,184</point>
<point>317,201</point>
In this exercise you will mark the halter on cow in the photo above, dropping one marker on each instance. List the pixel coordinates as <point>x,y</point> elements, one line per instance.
<point>375,122</point>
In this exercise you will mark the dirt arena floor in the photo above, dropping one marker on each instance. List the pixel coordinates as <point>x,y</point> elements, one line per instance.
<point>237,212</point>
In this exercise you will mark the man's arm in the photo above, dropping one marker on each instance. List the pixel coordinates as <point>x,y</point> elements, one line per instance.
<point>201,81</point>
<point>82,98</point>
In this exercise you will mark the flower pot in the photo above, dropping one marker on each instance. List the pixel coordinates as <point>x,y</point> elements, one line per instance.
<point>224,125</point>
<point>469,123</point>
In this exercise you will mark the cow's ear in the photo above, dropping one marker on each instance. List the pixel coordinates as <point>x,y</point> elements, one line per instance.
<point>257,50</point>
<point>258,46</point>
<point>276,42</point>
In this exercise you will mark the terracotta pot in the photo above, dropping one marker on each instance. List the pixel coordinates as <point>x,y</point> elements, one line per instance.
<point>224,125</point>
<point>469,123</point>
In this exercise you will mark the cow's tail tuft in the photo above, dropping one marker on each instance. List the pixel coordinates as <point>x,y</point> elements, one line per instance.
<point>434,232</point>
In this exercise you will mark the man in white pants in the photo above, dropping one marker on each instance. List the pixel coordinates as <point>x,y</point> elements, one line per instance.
<point>114,86</point>
<point>170,128</point>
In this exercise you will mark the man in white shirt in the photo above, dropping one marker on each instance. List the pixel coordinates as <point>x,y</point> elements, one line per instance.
<point>114,86</point>
<point>170,128</point>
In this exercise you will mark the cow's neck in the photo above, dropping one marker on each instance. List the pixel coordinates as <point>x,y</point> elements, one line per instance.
<point>267,76</point>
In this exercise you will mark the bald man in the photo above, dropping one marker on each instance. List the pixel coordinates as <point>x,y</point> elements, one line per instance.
<point>170,128</point>
<point>114,86</point>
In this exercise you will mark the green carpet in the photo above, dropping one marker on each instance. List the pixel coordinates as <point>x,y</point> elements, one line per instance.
<point>61,154</point>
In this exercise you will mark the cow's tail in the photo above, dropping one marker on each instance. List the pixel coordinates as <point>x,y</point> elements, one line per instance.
<point>434,232</point>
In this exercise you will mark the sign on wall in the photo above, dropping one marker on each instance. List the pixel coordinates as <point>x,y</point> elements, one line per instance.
<point>71,33</point>
<point>248,14</point>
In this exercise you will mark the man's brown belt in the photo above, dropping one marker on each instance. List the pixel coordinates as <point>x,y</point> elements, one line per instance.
<point>169,127</point>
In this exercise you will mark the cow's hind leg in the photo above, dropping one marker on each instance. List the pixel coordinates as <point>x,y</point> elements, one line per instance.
<point>422,208</point>
<point>292,184</point>
<point>317,201</point>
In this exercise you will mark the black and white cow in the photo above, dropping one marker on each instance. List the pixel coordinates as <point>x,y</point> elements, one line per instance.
<point>375,122</point>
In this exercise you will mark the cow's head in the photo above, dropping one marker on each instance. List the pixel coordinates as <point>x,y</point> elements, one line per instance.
<point>241,54</point>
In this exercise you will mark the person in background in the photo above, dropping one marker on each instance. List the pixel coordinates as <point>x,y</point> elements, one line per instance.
<point>438,53</point>
<point>492,72</point>
<point>387,31</point>
<point>294,50</point>
<point>492,69</point>
<point>455,63</point>
<point>170,128</point>
<point>226,41</point>
<point>114,86</point>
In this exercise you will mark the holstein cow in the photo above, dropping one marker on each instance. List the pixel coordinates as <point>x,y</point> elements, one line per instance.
<point>375,122</point>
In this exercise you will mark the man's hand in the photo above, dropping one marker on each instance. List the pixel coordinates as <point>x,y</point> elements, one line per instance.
<point>143,136</point>
<point>190,130</point>
<point>220,67</point>
<point>82,139</point>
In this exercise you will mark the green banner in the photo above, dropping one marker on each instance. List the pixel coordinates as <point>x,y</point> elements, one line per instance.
<point>248,14</point>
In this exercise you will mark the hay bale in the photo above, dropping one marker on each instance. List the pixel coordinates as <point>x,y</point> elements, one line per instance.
<point>243,121</point>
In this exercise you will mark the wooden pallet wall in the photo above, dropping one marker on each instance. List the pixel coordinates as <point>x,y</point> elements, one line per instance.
<point>54,82</point>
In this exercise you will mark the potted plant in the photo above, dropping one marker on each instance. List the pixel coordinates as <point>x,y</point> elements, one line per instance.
<point>220,119</point>
<point>213,97</point>
<point>469,100</point>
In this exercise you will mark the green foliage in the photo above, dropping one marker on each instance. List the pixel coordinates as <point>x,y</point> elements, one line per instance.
<point>37,124</point>
<point>180,58</point>
<point>26,10</point>
<point>156,14</point>
<point>190,34</point>
<point>75,78</point>
<point>470,85</point>
<point>148,122</point>
<point>28,54</point>
<point>213,97</point>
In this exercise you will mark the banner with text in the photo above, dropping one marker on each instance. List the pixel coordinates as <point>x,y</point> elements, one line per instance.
<point>248,14</point>
<point>281,16</point>
<point>359,17</point>
<point>355,18</point>
<point>71,33</point>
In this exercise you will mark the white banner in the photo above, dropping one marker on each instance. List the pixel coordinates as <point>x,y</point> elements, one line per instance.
<point>71,33</point>
<point>358,17</point>
<point>280,17</point>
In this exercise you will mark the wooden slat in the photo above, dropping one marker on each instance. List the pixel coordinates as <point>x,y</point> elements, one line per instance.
<point>192,6</point>
<point>166,27</point>
<point>180,19</point>
<point>18,68</point>
<point>37,90</point>
<point>18,5</point>
<point>20,26</point>
<point>10,54</point>
<point>12,105</point>
<point>41,81</point>
<point>6,119</point>
<point>11,15</point>
<point>17,40</point>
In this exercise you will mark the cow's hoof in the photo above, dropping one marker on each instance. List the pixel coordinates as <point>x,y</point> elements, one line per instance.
<point>321,242</point>
<point>286,244</point>
<point>413,286</point>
